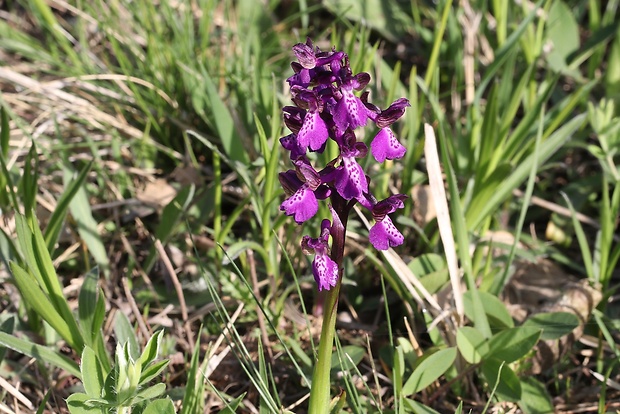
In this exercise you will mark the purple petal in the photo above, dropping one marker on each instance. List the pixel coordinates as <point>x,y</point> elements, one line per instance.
<point>305,55</point>
<point>361,80</point>
<point>386,146</point>
<point>313,132</point>
<point>293,118</point>
<point>290,182</point>
<point>393,113</point>
<point>384,235</point>
<point>291,143</point>
<point>302,205</point>
<point>351,181</point>
<point>350,112</point>
<point>325,271</point>
<point>307,173</point>
<point>302,76</point>
<point>322,192</point>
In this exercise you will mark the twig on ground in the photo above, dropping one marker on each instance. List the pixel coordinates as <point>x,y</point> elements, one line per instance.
<point>179,290</point>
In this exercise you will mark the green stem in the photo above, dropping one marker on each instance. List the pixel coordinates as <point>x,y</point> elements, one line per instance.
<point>321,381</point>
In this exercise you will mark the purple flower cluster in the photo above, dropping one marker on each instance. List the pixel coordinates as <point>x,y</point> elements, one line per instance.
<point>326,107</point>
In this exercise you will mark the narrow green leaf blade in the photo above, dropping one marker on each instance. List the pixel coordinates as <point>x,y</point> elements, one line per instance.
<point>87,305</point>
<point>34,296</point>
<point>41,353</point>
<point>86,224</point>
<point>54,225</point>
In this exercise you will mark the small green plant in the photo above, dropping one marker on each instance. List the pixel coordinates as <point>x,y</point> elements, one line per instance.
<point>125,388</point>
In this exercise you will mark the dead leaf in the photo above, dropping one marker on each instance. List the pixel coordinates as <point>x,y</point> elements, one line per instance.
<point>157,193</point>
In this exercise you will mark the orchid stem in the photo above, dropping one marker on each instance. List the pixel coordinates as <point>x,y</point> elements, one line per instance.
<point>321,381</point>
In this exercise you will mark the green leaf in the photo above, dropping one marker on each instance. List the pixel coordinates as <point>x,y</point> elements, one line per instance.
<point>56,220</point>
<point>612,72</point>
<point>77,404</point>
<point>342,363</point>
<point>92,375</point>
<point>563,32</point>
<point>514,343</point>
<point>418,408</point>
<point>40,353</point>
<point>426,264</point>
<point>55,290</point>
<point>398,372</point>
<point>387,17</point>
<point>432,271</point>
<point>486,206</point>
<point>29,181</point>
<point>224,123</point>
<point>86,224</point>
<point>126,334</point>
<point>152,392</point>
<point>152,371</point>
<point>6,326</point>
<point>554,325</point>
<point>4,152</point>
<point>151,349</point>
<point>193,399</point>
<point>472,345</point>
<point>534,397</point>
<point>43,403</point>
<point>502,377</point>
<point>34,297</point>
<point>431,368</point>
<point>4,135</point>
<point>163,406</point>
<point>231,407</point>
<point>88,306</point>
<point>494,308</point>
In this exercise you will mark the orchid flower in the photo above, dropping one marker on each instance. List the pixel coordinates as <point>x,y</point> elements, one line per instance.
<point>326,106</point>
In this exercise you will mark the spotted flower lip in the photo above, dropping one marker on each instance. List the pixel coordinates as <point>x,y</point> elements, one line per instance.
<point>350,180</point>
<point>313,132</point>
<point>324,269</point>
<point>385,146</point>
<point>304,189</point>
<point>383,234</point>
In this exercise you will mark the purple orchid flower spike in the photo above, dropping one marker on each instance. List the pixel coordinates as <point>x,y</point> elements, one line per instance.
<point>324,92</point>
<point>327,107</point>
<point>324,269</point>
<point>384,234</point>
